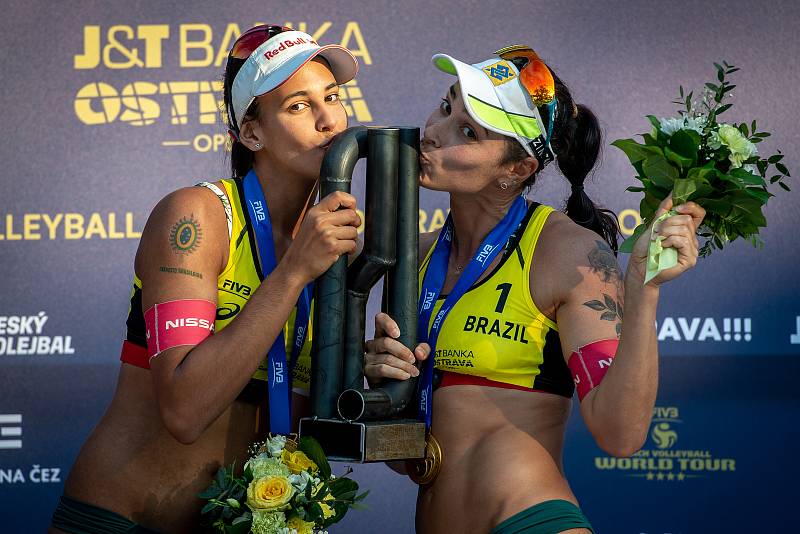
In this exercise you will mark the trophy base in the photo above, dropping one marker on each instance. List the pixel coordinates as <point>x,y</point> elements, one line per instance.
<point>373,441</point>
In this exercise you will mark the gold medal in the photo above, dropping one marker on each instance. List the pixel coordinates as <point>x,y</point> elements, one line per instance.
<point>424,470</point>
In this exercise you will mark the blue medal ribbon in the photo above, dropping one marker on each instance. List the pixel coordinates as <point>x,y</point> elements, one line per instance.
<point>434,279</point>
<point>280,421</point>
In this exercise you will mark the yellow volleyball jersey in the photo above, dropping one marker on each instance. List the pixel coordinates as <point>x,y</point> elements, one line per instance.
<point>235,285</point>
<point>495,331</point>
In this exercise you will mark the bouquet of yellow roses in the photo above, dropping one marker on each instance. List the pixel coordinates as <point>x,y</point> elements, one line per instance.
<point>286,488</point>
<point>695,157</point>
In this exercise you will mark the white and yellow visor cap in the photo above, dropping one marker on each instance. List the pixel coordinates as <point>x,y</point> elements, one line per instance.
<point>495,97</point>
<point>277,59</point>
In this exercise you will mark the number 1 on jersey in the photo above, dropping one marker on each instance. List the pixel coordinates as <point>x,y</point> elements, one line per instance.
<point>504,290</point>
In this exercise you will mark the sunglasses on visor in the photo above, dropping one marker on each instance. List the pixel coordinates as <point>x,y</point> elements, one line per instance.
<point>253,38</point>
<point>535,76</point>
<point>537,80</point>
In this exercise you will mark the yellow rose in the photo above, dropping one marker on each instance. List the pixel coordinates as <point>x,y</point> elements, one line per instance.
<point>302,527</point>
<point>269,493</point>
<point>297,461</point>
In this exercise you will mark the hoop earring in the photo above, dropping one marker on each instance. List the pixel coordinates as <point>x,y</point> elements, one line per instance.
<point>503,185</point>
<point>258,146</point>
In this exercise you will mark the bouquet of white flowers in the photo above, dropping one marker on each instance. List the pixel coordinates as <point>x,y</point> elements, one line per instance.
<point>695,157</point>
<point>287,488</point>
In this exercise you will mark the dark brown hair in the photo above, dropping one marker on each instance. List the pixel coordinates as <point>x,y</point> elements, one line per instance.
<point>576,143</point>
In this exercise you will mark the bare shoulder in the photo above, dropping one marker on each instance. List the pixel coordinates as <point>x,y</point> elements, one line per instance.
<point>567,245</point>
<point>571,258</point>
<point>187,227</point>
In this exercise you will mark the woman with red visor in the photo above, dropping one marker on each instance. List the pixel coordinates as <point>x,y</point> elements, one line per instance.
<point>188,401</point>
<point>521,304</point>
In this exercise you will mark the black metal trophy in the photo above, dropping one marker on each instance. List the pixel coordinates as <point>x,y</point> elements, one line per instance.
<point>350,422</point>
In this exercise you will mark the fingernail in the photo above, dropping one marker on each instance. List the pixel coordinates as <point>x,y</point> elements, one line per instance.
<point>416,372</point>
<point>396,332</point>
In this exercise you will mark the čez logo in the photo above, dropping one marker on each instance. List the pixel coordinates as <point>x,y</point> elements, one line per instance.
<point>8,431</point>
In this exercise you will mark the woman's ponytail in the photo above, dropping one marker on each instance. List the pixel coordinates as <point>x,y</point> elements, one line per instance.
<point>577,146</point>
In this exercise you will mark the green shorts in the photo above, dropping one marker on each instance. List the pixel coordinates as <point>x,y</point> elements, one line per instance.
<point>547,517</point>
<point>81,518</point>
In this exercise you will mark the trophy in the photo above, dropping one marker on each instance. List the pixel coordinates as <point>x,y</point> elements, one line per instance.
<point>350,422</point>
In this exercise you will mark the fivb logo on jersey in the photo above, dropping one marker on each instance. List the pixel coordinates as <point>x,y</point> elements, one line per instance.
<point>705,329</point>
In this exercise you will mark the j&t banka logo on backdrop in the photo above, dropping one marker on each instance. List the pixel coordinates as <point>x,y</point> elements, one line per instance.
<point>142,48</point>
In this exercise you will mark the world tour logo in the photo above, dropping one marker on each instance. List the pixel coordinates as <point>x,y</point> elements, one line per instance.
<point>665,457</point>
<point>146,48</point>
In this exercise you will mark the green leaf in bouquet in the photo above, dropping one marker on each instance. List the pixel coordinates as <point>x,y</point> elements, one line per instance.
<point>649,205</point>
<point>784,186</point>
<point>209,506</point>
<point>314,513</point>
<point>713,87</point>
<point>683,190</point>
<point>340,486</point>
<point>210,492</point>
<point>782,168</point>
<point>685,143</point>
<point>241,527</point>
<point>775,158</point>
<point>634,189</point>
<point>718,207</point>
<point>747,177</point>
<point>636,152</point>
<point>722,109</point>
<point>744,130</point>
<point>313,450</point>
<point>759,193</point>
<point>248,475</point>
<point>660,171</point>
<point>627,246</point>
<point>649,140</point>
<point>677,159</point>
<point>655,122</point>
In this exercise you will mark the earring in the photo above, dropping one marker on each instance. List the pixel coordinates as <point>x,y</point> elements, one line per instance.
<point>258,146</point>
<point>503,185</point>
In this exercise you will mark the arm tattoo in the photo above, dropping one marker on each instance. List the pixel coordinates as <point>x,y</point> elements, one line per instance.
<point>185,235</point>
<point>611,310</point>
<point>180,270</point>
<point>603,262</point>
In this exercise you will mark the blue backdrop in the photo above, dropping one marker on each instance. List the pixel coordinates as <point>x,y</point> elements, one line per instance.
<point>108,106</point>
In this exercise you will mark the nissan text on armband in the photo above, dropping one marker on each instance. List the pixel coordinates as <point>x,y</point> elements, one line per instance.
<point>178,322</point>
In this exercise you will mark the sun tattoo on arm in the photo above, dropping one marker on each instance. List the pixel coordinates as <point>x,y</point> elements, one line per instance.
<point>185,235</point>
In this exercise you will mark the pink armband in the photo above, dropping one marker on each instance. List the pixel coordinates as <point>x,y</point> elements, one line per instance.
<point>178,322</point>
<point>590,363</point>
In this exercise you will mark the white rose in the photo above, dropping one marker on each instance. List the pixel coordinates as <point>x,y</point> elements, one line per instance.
<point>670,126</point>
<point>275,445</point>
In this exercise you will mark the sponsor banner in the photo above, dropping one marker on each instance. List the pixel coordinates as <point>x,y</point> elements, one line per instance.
<point>126,107</point>
<point>25,335</point>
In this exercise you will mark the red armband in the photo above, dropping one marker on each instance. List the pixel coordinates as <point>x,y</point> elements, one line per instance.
<point>590,363</point>
<point>178,322</point>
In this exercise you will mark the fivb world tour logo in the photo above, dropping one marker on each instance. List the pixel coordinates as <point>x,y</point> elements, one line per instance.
<point>156,50</point>
<point>667,458</point>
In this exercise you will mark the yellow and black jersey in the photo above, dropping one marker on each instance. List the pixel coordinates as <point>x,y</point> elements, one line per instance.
<point>495,335</point>
<point>235,284</point>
